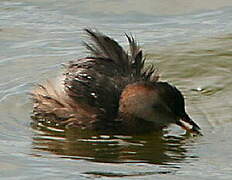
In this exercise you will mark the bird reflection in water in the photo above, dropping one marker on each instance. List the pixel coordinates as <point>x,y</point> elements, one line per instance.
<point>157,148</point>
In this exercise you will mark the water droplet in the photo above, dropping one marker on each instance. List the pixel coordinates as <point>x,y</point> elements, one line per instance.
<point>199,89</point>
<point>94,94</point>
<point>83,75</point>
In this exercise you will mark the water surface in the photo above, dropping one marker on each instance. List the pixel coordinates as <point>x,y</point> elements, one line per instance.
<point>190,43</point>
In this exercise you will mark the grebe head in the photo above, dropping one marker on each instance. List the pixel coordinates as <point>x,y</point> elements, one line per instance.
<point>157,102</point>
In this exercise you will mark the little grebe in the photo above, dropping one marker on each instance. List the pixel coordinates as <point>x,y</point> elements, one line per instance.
<point>111,89</point>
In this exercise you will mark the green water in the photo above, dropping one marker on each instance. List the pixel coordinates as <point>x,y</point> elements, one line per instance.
<point>190,43</point>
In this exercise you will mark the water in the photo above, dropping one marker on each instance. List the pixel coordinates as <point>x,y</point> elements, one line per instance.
<point>190,42</point>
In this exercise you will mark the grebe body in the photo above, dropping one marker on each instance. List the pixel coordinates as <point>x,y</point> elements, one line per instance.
<point>111,89</point>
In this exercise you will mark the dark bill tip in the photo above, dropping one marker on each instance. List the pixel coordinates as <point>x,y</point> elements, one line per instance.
<point>189,125</point>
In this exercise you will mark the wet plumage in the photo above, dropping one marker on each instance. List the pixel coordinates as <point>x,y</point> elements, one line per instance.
<point>110,88</point>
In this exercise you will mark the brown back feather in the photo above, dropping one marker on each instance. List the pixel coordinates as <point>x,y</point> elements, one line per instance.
<point>91,86</point>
